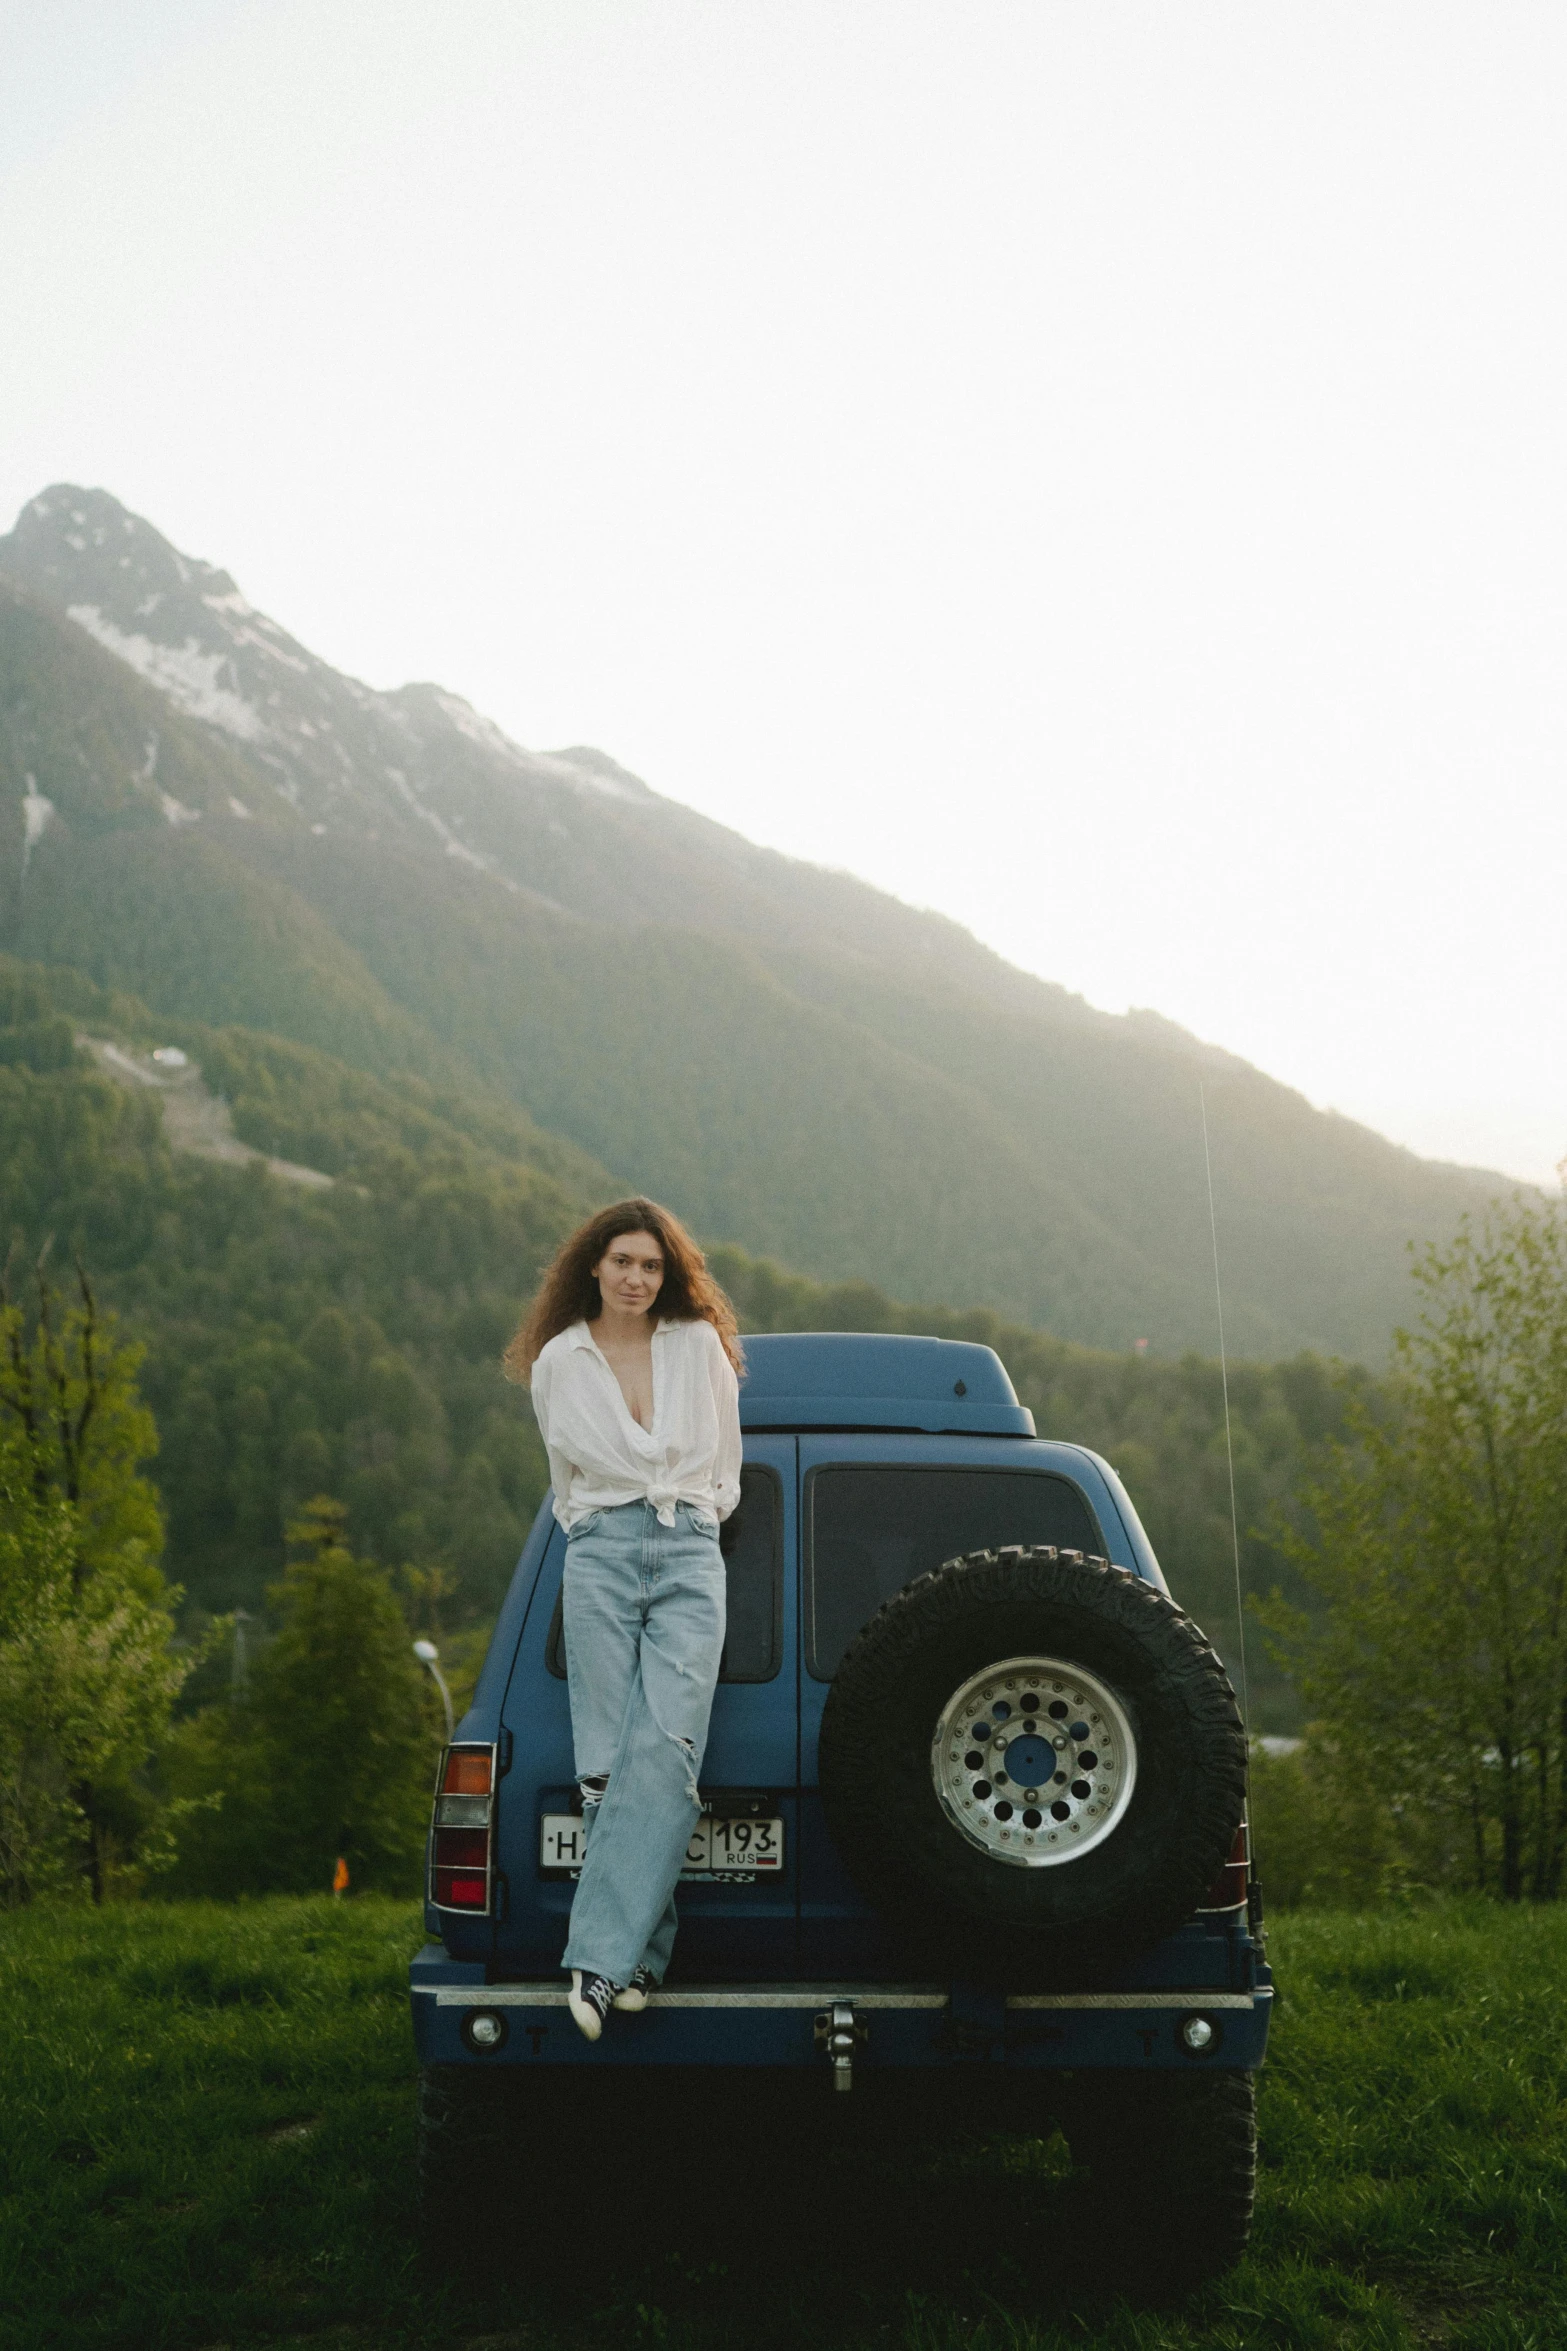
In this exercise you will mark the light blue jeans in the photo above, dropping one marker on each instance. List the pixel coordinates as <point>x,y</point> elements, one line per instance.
<point>643,1606</point>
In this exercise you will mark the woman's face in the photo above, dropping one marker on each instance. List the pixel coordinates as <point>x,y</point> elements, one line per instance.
<point>630,1273</point>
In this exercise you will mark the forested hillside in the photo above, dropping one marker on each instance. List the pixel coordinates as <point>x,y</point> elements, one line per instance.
<point>340,1339</point>
<point>195,809</point>
<point>344,1337</point>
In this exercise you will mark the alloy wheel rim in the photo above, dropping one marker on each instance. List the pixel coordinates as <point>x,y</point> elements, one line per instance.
<point>1034,1761</point>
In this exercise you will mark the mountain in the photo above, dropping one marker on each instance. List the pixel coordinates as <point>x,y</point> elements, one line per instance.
<point>323,1267</point>
<point>195,809</point>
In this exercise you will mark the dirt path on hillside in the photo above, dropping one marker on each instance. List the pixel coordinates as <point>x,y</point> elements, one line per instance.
<point>193,1117</point>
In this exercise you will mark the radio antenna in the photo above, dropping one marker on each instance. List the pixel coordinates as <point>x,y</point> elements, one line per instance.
<point>1229,1443</point>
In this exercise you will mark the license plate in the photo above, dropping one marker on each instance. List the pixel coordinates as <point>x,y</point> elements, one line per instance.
<point>725,1852</point>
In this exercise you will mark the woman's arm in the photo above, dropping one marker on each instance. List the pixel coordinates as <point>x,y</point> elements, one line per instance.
<point>726,1402</point>
<point>560,1467</point>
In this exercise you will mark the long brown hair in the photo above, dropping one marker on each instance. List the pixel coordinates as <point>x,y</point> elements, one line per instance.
<point>568,1292</point>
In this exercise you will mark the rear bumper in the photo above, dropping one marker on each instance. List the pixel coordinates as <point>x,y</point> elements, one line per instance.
<point>776,2025</point>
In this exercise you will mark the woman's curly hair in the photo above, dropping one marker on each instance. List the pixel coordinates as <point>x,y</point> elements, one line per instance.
<point>569,1293</point>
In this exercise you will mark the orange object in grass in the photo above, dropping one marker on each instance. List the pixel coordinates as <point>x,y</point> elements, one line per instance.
<point>340,1876</point>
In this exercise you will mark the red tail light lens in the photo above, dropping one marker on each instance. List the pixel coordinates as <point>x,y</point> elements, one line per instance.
<point>1228,1890</point>
<point>462,1849</point>
<point>455,1890</point>
<point>463,1831</point>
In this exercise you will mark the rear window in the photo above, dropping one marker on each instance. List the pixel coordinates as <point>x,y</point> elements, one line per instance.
<point>752,1539</point>
<point>871,1531</point>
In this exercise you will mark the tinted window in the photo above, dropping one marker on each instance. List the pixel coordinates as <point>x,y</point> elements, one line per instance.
<point>752,1539</point>
<point>874,1530</point>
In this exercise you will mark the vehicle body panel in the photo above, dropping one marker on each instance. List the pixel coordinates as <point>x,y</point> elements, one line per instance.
<point>756,1963</point>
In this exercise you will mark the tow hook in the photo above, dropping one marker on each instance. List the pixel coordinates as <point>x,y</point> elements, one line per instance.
<point>839,2032</point>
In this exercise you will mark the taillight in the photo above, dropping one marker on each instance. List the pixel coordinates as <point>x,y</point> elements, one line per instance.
<point>467,1771</point>
<point>1228,1890</point>
<point>462,1842</point>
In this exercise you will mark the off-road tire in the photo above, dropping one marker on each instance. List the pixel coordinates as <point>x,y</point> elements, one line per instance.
<point>959,1908</point>
<point>1171,2160</point>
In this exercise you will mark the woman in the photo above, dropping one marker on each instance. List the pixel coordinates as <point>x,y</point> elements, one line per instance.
<point>640,1416</point>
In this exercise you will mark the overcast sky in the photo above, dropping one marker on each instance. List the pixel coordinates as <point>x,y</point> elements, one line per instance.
<point>1096,468</point>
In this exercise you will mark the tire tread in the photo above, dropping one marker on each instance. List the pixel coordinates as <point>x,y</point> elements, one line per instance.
<point>884,1819</point>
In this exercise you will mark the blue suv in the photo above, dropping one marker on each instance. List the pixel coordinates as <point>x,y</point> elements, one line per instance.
<point>973,1802</point>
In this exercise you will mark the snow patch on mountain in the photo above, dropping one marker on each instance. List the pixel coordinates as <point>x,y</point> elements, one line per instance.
<point>188,676</point>
<point>260,632</point>
<point>443,831</point>
<point>594,769</point>
<point>454,846</point>
<point>476,727</point>
<point>37,809</point>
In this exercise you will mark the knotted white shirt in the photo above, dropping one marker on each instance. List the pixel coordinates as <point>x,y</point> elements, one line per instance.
<point>600,1457</point>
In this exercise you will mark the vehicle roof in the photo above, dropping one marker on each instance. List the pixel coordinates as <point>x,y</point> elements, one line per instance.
<point>877,1380</point>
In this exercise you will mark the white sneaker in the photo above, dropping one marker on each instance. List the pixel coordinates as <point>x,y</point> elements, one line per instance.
<point>590,2002</point>
<point>633,1999</point>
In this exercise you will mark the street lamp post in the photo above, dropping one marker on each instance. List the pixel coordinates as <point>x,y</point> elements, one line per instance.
<point>428,1654</point>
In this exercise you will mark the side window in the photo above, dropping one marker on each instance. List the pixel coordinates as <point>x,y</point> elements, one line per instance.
<point>752,1541</point>
<point>871,1531</point>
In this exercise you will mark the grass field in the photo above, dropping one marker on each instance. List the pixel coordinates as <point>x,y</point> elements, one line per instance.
<point>208,2136</point>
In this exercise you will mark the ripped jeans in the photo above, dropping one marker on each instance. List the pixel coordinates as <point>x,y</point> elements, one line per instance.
<point>643,1608</point>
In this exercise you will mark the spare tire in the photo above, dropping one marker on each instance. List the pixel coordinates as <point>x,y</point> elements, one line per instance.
<point>1032,1762</point>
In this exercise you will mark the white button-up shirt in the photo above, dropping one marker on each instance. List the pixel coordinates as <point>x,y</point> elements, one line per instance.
<point>600,1457</point>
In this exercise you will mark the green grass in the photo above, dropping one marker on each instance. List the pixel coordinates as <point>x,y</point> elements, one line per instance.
<point>208,2136</point>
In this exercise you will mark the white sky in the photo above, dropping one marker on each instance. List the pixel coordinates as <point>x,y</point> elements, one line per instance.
<point>1098,467</point>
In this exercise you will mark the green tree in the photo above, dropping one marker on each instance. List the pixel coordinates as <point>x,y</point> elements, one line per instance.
<point>1438,1675</point>
<point>88,1672</point>
<point>345,1721</point>
<point>1324,1837</point>
<point>68,1384</point>
<point>330,1748</point>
